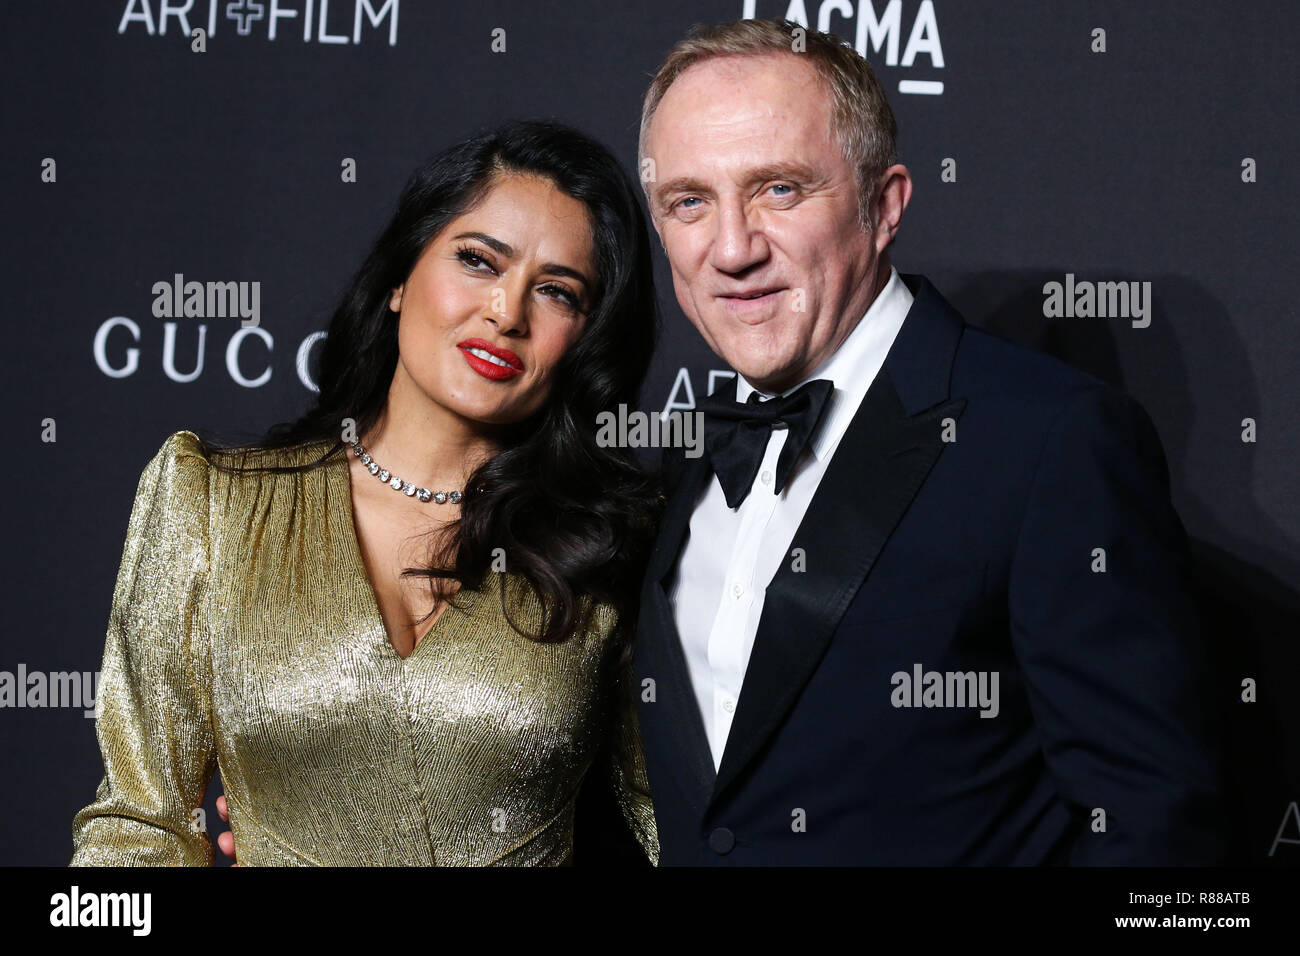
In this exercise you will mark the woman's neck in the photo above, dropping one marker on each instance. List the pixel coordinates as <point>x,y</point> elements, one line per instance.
<point>425,443</point>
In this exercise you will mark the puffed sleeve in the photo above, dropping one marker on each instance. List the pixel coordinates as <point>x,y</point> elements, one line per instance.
<point>631,789</point>
<point>154,720</point>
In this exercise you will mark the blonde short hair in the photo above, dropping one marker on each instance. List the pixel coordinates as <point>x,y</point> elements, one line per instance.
<point>861,119</point>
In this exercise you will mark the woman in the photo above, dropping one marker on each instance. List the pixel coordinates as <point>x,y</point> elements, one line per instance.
<point>418,669</point>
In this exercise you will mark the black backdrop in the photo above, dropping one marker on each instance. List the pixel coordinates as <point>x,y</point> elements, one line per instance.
<point>1169,158</point>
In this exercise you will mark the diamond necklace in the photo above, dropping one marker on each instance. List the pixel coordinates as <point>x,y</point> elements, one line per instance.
<point>397,484</point>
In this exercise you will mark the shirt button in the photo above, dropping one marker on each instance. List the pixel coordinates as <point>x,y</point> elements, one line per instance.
<point>729,705</point>
<point>765,477</point>
<point>722,840</point>
<point>737,590</point>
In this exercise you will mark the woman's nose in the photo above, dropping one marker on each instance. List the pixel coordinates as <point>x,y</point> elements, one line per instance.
<point>506,311</point>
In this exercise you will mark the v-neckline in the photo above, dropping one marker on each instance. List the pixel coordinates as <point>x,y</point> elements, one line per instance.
<point>359,568</point>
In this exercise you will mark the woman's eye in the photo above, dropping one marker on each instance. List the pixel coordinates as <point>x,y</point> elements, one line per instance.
<point>559,292</point>
<point>471,258</point>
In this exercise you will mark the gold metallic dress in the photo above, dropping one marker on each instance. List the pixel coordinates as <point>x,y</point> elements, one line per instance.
<point>245,636</point>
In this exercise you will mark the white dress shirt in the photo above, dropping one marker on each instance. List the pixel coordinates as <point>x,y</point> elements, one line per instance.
<point>730,556</point>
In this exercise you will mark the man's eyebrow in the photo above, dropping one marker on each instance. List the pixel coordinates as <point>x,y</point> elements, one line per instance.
<point>796,171</point>
<point>682,184</point>
<point>507,250</point>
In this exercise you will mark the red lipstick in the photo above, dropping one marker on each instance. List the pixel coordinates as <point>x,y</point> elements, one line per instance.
<point>484,365</point>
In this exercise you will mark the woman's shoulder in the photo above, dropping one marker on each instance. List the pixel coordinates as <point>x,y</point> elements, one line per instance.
<point>184,445</point>
<point>189,467</point>
<point>182,454</point>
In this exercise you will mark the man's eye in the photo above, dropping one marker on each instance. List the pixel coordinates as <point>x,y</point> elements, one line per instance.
<point>783,186</point>
<point>682,202</point>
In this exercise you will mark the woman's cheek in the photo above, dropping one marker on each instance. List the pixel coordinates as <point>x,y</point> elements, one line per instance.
<point>416,344</point>
<point>448,307</point>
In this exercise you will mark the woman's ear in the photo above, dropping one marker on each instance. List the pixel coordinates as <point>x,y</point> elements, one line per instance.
<point>395,300</point>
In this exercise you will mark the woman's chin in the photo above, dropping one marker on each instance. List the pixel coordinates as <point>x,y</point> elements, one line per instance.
<point>487,414</point>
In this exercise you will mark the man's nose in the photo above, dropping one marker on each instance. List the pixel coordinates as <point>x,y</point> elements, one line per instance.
<point>738,242</point>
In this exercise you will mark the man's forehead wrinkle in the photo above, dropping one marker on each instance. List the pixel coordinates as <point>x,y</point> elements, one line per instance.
<point>710,106</point>
<point>735,136</point>
<point>715,148</point>
<point>734,140</point>
<point>759,119</point>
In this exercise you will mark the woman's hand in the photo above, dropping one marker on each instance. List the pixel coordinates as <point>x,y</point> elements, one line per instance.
<point>225,841</point>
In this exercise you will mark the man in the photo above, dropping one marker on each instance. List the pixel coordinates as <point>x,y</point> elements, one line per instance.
<point>924,600</point>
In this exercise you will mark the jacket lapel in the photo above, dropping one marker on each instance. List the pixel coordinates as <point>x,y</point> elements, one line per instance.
<point>658,648</point>
<point>880,464</point>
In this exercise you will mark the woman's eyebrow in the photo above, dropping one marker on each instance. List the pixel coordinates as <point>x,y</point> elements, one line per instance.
<point>507,250</point>
<point>492,242</point>
<point>555,269</point>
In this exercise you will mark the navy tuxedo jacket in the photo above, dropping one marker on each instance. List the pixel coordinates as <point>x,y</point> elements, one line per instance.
<point>955,531</point>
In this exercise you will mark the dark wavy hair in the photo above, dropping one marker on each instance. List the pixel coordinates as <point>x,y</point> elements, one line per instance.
<point>575,520</point>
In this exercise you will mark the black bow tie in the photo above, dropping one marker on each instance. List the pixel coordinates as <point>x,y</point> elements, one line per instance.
<point>736,434</point>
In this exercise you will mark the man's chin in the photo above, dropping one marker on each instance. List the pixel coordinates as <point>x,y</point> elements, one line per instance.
<point>767,376</point>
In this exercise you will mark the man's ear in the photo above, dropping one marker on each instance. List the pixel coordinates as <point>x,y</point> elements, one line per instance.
<point>395,300</point>
<point>895,193</point>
